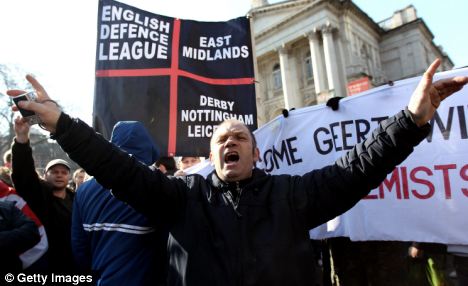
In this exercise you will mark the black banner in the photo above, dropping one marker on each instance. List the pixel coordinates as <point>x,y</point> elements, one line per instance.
<point>181,78</point>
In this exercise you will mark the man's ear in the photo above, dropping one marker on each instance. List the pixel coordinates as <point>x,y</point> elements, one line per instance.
<point>211,157</point>
<point>256,155</point>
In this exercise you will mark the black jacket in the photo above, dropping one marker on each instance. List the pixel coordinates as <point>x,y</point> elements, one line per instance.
<point>55,213</point>
<point>18,233</point>
<point>259,238</point>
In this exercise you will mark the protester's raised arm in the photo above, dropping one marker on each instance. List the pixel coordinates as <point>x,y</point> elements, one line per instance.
<point>47,110</point>
<point>21,130</point>
<point>428,95</point>
<point>336,188</point>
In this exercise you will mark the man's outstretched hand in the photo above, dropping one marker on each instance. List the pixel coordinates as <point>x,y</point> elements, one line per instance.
<point>428,95</point>
<point>47,110</point>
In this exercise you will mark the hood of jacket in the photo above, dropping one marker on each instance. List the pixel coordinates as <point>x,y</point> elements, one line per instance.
<point>133,137</point>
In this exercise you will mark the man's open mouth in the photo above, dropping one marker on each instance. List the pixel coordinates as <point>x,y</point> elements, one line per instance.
<point>231,157</point>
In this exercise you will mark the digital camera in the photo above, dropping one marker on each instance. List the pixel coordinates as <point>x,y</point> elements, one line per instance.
<point>30,116</point>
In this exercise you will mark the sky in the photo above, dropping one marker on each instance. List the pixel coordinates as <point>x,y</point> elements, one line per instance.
<point>56,40</point>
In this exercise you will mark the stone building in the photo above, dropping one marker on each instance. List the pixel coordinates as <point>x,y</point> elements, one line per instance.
<point>310,50</point>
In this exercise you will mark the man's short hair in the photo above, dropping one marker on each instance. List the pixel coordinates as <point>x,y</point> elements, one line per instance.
<point>168,162</point>
<point>182,158</point>
<point>78,171</point>
<point>254,140</point>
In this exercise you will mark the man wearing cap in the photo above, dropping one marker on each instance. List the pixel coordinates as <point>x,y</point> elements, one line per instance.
<point>49,199</point>
<point>185,163</point>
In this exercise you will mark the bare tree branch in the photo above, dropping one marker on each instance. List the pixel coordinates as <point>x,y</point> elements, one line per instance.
<point>11,77</point>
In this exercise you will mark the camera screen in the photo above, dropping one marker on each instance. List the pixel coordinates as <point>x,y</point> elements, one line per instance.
<point>25,113</point>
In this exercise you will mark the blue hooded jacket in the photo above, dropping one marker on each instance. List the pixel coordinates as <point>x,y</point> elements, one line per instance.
<point>119,245</point>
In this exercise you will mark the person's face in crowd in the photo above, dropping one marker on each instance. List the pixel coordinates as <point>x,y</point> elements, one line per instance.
<point>188,162</point>
<point>232,151</point>
<point>58,176</point>
<point>162,168</point>
<point>79,178</point>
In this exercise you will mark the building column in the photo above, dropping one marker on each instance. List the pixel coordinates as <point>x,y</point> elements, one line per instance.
<point>291,98</point>
<point>331,61</point>
<point>317,63</point>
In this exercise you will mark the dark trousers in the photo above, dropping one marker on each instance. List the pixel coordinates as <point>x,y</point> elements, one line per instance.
<point>461,266</point>
<point>373,263</point>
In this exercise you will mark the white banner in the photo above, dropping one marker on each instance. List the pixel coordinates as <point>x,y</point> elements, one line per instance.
<point>425,199</point>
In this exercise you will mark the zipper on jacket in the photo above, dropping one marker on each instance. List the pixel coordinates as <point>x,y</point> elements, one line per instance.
<point>234,201</point>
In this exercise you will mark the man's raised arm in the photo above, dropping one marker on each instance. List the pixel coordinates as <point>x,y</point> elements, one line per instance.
<point>338,187</point>
<point>428,95</point>
<point>149,192</point>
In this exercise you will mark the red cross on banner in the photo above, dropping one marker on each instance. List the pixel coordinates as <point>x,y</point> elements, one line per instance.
<point>181,78</point>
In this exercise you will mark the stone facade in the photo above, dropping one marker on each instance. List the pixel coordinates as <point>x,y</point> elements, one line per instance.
<point>310,50</point>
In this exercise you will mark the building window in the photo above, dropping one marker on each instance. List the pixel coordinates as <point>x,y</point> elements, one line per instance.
<point>308,68</point>
<point>277,84</point>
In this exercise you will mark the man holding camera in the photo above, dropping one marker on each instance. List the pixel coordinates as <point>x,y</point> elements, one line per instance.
<point>49,199</point>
